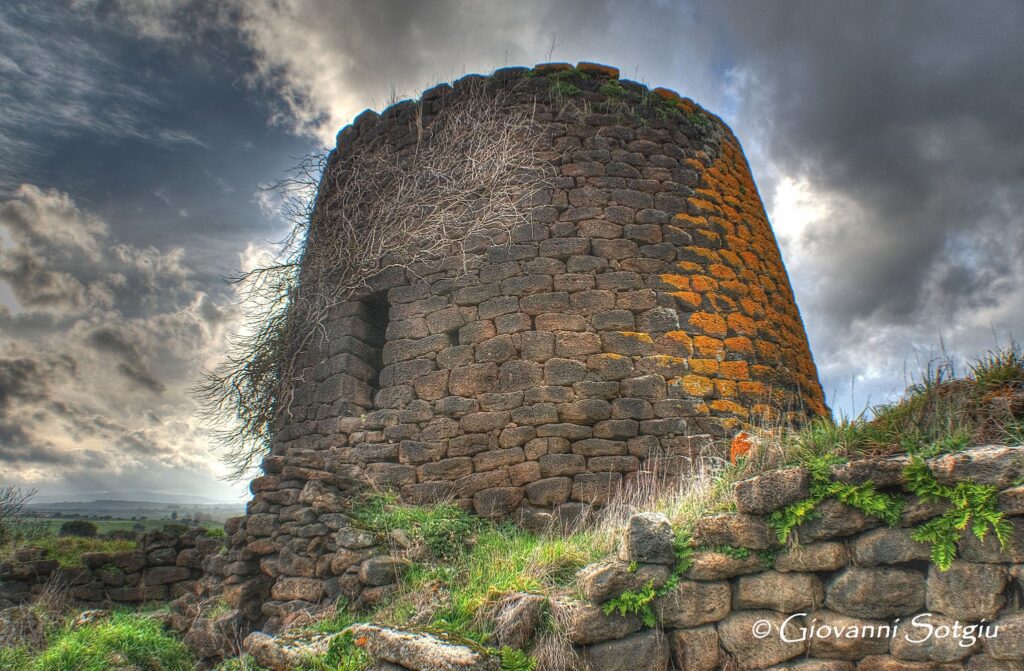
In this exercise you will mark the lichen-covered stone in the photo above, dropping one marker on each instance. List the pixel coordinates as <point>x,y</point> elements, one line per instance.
<point>419,652</point>
<point>889,546</point>
<point>967,591</point>
<point>816,557</point>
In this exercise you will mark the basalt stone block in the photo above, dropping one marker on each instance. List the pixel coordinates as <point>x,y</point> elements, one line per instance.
<point>607,580</point>
<point>649,539</point>
<point>734,529</point>
<point>736,635</point>
<point>889,546</point>
<point>876,592</point>
<point>586,624</point>
<point>816,557</point>
<point>645,650</point>
<point>771,491</point>
<point>695,649</point>
<point>847,637</point>
<point>967,591</point>
<point>784,592</point>
<point>692,604</point>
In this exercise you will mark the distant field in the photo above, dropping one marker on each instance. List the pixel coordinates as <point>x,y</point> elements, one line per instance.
<point>53,523</point>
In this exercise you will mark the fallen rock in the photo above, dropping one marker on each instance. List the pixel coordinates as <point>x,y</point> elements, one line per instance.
<point>286,651</point>
<point>419,652</point>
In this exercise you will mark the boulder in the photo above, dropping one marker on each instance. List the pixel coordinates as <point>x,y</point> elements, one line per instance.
<point>287,651</point>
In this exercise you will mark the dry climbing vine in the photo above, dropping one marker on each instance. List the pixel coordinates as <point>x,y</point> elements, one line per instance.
<point>468,180</point>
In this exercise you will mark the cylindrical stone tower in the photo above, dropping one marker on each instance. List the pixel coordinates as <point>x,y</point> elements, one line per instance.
<point>640,311</point>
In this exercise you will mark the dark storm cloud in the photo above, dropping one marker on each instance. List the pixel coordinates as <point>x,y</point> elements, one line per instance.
<point>131,364</point>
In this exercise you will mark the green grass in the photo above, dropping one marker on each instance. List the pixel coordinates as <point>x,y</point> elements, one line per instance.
<point>68,550</point>
<point>125,639</point>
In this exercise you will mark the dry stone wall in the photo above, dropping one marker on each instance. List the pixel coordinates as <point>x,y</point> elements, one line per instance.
<point>164,566</point>
<point>642,312</point>
<point>853,595</point>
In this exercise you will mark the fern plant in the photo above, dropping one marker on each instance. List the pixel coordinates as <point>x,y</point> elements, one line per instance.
<point>972,505</point>
<point>864,497</point>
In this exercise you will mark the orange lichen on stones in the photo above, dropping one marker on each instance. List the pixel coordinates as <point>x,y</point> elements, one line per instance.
<point>689,267</point>
<point>704,366</point>
<point>677,281</point>
<point>726,388</point>
<point>694,163</point>
<point>739,344</point>
<point>753,389</point>
<point>724,405</point>
<point>741,446</point>
<point>667,94</point>
<point>734,370</point>
<point>703,284</point>
<point>710,324</point>
<point>643,337</point>
<point>547,68</point>
<point>741,324</point>
<point>690,299</point>
<point>697,385</point>
<point>721,272</point>
<point>702,206</point>
<point>708,347</point>
<point>598,70</point>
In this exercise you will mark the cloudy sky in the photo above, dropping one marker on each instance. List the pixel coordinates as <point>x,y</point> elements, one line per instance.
<point>135,136</point>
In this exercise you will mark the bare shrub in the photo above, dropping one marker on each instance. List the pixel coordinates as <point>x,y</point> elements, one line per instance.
<point>14,526</point>
<point>465,184</point>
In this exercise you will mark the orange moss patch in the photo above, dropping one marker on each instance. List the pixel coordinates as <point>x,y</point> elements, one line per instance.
<point>704,366</point>
<point>677,281</point>
<point>689,221</point>
<point>697,385</point>
<point>708,347</point>
<point>723,405</point>
<point>703,284</point>
<point>642,337</point>
<point>598,70</point>
<point>726,388</point>
<point>710,324</point>
<point>739,344</point>
<point>741,324</point>
<point>741,446</point>
<point>690,299</point>
<point>721,272</point>
<point>708,237</point>
<point>695,164</point>
<point>734,370</point>
<point>759,372</point>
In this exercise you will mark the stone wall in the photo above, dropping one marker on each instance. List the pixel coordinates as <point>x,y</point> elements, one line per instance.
<point>164,566</point>
<point>642,312</point>
<point>847,571</point>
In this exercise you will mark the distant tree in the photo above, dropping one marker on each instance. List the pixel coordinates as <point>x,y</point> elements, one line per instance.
<point>174,515</point>
<point>138,527</point>
<point>82,528</point>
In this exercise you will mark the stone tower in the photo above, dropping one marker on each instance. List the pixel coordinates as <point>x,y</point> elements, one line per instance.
<point>643,311</point>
